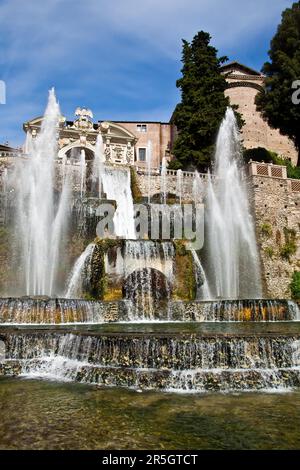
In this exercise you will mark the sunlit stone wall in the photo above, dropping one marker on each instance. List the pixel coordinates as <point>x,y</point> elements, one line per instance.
<point>276,203</point>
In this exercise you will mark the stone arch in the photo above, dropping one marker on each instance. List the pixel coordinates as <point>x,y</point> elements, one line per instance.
<point>77,144</point>
<point>146,280</point>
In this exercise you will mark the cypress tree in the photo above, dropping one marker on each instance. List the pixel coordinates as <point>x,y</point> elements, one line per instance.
<point>203,103</point>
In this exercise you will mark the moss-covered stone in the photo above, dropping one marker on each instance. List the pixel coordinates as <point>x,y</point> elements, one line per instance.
<point>98,280</point>
<point>185,282</point>
<point>135,189</point>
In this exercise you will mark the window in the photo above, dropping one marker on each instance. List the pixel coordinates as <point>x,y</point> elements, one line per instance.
<point>142,154</point>
<point>141,127</point>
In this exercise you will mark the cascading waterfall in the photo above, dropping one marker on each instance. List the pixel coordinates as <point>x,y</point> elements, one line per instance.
<point>251,310</point>
<point>165,362</point>
<point>116,185</point>
<point>26,310</point>
<point>47,311</point>
<point>203,291</point>
<point>189,357</point>
<point>41,222</point>
<point>144,261</point>
<point>80,273</point>
<point>232,262</point>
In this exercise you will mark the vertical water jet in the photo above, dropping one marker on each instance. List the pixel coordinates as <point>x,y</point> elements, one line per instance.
<point>41,217</point>
<point>232,263</point>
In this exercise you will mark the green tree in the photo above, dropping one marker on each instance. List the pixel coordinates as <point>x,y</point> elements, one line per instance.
<point>203,103</point>
<point>283,69</point>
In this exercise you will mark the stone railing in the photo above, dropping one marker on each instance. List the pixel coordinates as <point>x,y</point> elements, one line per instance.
<point>142,170</point>
<point>294,185</point>
<point>267,169</point>
<point>7,155</point>
<point>270,170</point>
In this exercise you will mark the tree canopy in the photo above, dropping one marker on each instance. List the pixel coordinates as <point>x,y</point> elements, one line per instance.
<point>203,103</point>
<point>283,69</point>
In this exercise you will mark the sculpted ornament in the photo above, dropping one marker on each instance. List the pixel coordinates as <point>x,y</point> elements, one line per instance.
<point>107,153</point>
<point>85,119</point>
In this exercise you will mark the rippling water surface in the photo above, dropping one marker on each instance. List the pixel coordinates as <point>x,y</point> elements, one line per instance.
<point>49,415</point>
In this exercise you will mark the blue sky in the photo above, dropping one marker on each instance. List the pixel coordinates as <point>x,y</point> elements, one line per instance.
<point>120,58</point>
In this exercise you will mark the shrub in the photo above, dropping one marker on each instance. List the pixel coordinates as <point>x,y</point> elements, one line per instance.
<point>269,251</point>
<point>174,164</point>
<point>287,251</point>
<point>266,229</point>
<point>290,247</point>
<point>258,154</point>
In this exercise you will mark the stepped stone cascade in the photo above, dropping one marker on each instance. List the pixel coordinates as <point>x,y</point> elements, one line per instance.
<point>33,311</point>
<point>236,310</point>
<point>26,310</point>
<point>149,313</point>
<point>159,362</point>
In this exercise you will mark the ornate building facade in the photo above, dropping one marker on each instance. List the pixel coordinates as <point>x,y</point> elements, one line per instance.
<point>127,143</point>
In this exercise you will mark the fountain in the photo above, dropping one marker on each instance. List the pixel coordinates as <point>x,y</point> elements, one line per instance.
<point>203,291</point>
<point>149,165</point>
<point>144,261</point>
<point>82,173</point>
<point>80,273</point>
<point>179,319</point>
<point>41,221</point>
<point>98,164</point>
<point>198,189</point>
<point>179,186</point>
<point>232,261</point>
<point>163,184</point>
<point>116,185</point>
<point>164,361</point>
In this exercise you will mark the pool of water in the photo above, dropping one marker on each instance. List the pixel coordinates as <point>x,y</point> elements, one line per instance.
<point>49,415</point>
